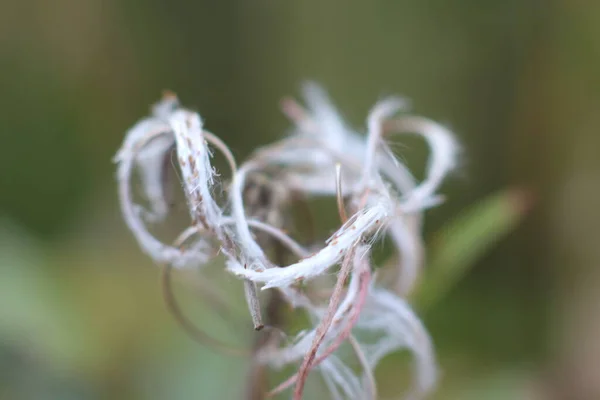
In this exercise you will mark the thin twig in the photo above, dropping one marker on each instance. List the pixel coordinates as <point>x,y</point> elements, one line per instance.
<point>365,279</point>
<point>339,195</point>
<point>323,328</point>
<point>192,330</point>
<point>253,304</point>
<point>369,377</point>
<point>174,309</point>
<point>222,147</point>
<point>264,204</point>
<point>250,291</point>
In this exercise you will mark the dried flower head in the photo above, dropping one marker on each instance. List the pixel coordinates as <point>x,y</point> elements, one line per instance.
<point>376,196</point>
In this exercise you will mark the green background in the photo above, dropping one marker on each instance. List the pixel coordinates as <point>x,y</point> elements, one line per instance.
<point>514,307</point>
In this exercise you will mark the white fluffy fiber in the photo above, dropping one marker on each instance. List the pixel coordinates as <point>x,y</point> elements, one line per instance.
<point>382,196</point>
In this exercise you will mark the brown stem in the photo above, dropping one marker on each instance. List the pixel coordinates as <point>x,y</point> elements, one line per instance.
<point>188,326</point>
<point>257,379</point>
<point>365,278</point>
<point>263,203</point>
<point>325,324</point>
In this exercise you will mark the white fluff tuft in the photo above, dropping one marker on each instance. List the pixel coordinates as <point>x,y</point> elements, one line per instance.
<point>322,157</point>
<point>310,267</point>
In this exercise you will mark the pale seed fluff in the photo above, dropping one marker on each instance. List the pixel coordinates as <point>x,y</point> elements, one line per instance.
<point>334,284</point>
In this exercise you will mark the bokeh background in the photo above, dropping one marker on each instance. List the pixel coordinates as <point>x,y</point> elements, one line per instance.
<point>81,315</point>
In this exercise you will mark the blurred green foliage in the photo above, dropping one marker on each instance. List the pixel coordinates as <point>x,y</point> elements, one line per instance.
<point>462,242</point>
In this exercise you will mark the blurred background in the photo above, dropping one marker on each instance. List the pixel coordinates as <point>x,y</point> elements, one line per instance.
<point>518,311</point>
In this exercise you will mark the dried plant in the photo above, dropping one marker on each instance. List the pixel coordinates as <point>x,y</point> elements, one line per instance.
<point>376,196</point>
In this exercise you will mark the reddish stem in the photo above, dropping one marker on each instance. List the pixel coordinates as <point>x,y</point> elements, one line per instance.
<point>365,279</point>
<point>325,324</point>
